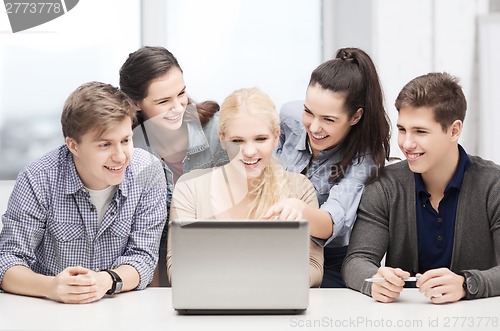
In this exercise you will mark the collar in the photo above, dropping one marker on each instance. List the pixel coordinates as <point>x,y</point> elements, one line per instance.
<point>303,145</point>
<point>197,141</point>
<point>455,182</point>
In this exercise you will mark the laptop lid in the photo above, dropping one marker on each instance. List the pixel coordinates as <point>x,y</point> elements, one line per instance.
<point>226,266</point>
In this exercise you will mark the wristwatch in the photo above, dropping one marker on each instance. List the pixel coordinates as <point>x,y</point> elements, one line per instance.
<point>470,285</point>
<point>117,283</point>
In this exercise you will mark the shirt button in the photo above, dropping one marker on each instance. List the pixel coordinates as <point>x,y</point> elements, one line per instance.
<point>440,219</point>
<point>440,238</point>
<point>92,208</point>
<point>97,270</point>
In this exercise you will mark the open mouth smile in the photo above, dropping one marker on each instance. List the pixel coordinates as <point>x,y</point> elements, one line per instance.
<point>117,168</point>
<point>250,163</point>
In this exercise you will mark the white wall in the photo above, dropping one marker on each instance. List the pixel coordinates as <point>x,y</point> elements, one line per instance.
<point>489,68</point>
<point>224,45</point>
<point>406,39</point>
<point>410,38</point>
<point>417,37</point>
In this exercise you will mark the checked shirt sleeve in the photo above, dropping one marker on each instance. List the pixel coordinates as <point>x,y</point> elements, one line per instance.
<point>23,224</point>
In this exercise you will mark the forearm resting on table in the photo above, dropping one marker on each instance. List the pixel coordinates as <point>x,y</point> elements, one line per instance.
<point>129,275</point>
<point>320,223</point>
<point>22,280</point>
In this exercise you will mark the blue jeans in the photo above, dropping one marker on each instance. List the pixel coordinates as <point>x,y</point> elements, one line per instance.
<point>334,257</point>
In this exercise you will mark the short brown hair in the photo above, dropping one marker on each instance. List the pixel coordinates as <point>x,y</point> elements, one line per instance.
<point>95,106</point>
<point>439,91</point>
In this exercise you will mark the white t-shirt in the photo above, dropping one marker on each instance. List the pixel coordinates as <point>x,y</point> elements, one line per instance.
<point>101,199</point>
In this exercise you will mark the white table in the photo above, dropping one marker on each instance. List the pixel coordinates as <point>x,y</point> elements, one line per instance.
<point>329,309</point>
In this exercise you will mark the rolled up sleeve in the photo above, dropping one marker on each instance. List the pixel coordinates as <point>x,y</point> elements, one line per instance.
<point>23,225</point>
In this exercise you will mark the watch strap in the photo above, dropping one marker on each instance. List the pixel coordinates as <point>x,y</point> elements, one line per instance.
<point>470,285</point>
<point>116,280</point>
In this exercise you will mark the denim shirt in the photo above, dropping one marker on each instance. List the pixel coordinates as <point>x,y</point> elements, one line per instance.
<point>340,200</point>
<point>204,149</point>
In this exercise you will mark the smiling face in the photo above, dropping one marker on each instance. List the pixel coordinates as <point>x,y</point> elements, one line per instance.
<point>249,141</point>
<point>166,100</point>
<point>424,143</point>
<point>325,119</point>
<point>101,161</point>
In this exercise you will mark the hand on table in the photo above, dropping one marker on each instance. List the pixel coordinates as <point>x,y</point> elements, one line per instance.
<point>441,285</point>
<point>79,285</point>
<point>390,289</point>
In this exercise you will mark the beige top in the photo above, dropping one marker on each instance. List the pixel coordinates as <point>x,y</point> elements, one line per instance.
<point>202,194</point>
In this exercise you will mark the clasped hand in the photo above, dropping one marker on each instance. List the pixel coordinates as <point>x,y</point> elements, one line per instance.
<point>78,285</point>
<point>439,285</point>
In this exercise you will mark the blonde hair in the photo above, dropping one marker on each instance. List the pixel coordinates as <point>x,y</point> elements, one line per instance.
<point>271,186</point>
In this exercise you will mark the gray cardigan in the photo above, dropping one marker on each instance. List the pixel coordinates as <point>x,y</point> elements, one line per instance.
<point>386,223</point>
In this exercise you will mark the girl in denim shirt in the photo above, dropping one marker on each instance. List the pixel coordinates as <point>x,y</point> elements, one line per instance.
<point>169,125</point>
<point>339,138</point>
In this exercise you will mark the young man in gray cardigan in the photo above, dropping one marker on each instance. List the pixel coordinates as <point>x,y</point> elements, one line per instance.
<point>435,215</point>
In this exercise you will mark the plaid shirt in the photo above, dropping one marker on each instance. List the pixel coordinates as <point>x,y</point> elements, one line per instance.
<point>50,223</point>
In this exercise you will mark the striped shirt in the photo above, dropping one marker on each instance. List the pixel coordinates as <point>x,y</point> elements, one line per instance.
<point>50,223</point>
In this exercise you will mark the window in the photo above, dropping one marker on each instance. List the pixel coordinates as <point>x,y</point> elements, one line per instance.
<point>41,66</point>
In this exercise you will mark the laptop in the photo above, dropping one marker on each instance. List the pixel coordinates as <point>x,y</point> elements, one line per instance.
<point>240,266</point>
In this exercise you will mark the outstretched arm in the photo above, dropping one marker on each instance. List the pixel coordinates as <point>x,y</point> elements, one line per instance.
<point>320,223</point>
